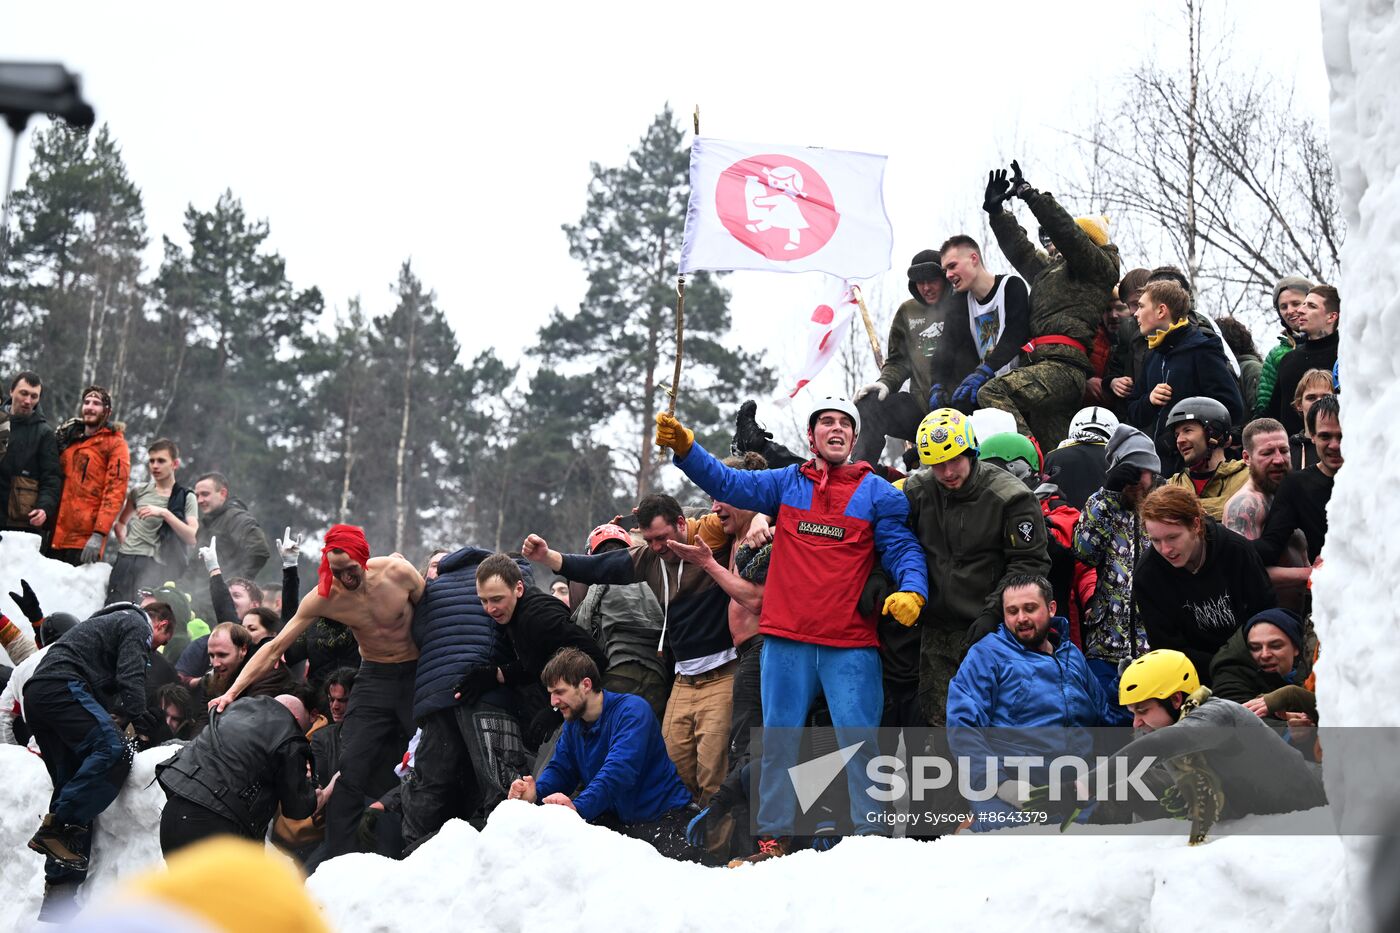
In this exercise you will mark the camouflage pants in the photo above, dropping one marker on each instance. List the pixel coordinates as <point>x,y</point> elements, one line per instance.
<point>940,650</point>
<point>1042,396</point>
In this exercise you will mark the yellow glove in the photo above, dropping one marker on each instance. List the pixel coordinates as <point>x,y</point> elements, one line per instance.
<point>671,433</point>
<point>905,607</point>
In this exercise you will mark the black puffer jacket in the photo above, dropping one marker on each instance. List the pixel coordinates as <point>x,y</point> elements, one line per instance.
<point>249,759</point>
<point>32,453</point>
<point>111,653</point>
<point>453,632</point>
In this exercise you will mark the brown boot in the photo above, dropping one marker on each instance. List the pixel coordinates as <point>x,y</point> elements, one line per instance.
<point>767,848</point>
<point>61,842</point>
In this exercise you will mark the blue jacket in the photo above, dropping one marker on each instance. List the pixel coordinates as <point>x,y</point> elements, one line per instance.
<point>830,526</point>
<point>1193,363</point>
<point>452,631</point>
<point>621,761</point>
<point>1006,699</point>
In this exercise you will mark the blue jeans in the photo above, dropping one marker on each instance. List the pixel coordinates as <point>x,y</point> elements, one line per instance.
<point>850,679</point>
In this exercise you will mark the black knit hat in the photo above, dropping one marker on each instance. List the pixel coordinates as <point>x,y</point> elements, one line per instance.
<point>926,266</point>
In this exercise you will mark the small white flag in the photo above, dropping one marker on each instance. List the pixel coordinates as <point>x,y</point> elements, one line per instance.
<point>825,327</point>
<point>785,209</point>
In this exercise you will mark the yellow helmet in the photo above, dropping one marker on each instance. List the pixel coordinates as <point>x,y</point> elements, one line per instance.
<point>1156,676</point>
<point>944,433</point>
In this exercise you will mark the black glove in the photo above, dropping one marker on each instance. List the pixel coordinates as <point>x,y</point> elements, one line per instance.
<point>366,833</point>
<point>28,603</point>
<point>1122,476</point>
<point>477,681</point>
<point>998,190</point>
<point>1020,188</point>
<point>878,588</point>
<point>981,629</point>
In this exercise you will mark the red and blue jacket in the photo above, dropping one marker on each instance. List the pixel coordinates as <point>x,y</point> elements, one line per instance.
<point>830,526</point>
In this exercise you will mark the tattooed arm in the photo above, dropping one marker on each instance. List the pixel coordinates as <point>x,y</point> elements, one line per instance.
<point>1245,513</point>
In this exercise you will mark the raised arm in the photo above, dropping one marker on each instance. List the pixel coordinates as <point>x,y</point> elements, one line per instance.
<point>312,607</point>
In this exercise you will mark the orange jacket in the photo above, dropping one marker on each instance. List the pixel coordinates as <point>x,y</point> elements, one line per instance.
<point>95,471</point>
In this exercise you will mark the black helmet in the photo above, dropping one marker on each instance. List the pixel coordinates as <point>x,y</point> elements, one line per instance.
<point>1212,415</point>
<point>54,625</point>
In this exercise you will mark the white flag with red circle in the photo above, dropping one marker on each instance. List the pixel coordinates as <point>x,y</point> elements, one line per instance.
<point>785,209</point>
<point>825,328</point>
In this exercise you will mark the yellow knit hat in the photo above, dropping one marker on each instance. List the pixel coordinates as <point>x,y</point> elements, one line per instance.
<point>1096,228</point>
<point>279,903</point>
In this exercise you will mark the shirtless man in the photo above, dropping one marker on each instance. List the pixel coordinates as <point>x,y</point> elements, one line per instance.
<point>374,598</point>
<point>1266,452</point>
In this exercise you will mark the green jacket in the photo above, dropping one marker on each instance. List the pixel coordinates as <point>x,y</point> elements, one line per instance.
<point>1069,294</point>
<point>1234,677</point>
<point>1268,375</point>
<point>915,335</point>
<point>973,538</point>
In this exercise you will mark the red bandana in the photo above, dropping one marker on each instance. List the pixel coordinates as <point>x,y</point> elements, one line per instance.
<point>347,538</point>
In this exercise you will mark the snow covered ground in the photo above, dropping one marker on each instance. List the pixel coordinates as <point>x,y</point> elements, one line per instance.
<point>536,868</point>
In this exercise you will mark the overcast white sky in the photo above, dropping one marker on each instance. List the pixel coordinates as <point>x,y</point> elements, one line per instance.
<point>461,137</point>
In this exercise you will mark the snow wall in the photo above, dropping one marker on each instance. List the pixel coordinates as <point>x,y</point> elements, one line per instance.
<point>534,867</point>
<point>1355,590</point>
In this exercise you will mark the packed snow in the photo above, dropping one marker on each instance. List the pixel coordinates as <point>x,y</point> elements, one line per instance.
<point>60,587</point>
<point>544,868</point>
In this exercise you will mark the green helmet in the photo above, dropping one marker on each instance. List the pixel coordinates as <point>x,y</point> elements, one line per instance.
<point>1010,446</point>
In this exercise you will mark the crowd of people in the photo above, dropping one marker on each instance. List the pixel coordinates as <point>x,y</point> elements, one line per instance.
<point>1128,542</point>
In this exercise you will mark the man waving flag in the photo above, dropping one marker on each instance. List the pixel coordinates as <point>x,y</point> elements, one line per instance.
<point>785,209</point>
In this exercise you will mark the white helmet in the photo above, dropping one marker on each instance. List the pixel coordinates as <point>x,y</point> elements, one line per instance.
<point>1093,425</point>
<point>833,403</point>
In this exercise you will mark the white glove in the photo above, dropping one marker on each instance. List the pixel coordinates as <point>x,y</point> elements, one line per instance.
<point>210,556</point>
<point>879,388</point>
<point>289,548</point>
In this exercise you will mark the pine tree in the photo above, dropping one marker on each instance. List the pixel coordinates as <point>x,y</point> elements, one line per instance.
<point>621,338</point>
<point>234,327</point>
<point>73,299</point>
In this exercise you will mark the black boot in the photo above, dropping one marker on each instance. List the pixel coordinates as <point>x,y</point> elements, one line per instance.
<point>748,433</point>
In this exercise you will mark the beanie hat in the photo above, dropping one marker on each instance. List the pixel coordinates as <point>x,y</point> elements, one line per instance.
<point>1096,228</point>
<point>924,267</point>
<point>178,602</point>
<point>1291,283</point>
<point>1129,445</point>
<point>1286,621</point>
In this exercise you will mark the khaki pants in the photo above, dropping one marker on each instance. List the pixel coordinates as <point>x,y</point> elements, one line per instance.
<point>696,728</point>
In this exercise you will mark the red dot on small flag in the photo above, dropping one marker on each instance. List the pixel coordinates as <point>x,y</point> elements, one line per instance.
<point>825,337</point>
<point>823,314</point>
<point>800,384</point>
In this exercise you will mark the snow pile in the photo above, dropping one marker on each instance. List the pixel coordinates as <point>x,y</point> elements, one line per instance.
<point>539,868</point>
<point>125,838</point>
<point>1361,45</point>
<point>60,588</point>
<point>543,867</point>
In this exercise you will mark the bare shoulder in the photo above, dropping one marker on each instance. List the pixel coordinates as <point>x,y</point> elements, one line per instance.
<point>398,570</point>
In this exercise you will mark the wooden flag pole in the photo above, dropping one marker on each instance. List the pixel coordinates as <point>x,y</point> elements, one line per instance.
<point>680,344</point>
<point>869,328</point>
